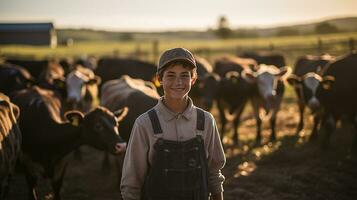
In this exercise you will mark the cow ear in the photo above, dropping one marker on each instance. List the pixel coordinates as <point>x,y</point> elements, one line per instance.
<point>327,82</point>
<point>96,80</point>
<point>16,110</point>
<point>75,117</point>
<point>121,113</point>
<point>284,72</point>
<point>293,80</point>
<point>249,76</point>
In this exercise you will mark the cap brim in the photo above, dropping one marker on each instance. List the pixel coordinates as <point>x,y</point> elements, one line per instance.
<point>193,65</point>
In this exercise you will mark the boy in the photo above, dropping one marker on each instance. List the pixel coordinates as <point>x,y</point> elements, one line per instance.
<point>174,150</point>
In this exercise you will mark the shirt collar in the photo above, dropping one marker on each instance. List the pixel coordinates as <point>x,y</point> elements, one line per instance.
<point>168,115</point>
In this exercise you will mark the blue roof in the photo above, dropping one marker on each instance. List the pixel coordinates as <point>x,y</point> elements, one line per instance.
<point>26,26</point>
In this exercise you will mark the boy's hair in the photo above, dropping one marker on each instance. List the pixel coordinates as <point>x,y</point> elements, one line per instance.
<point>185,64</point>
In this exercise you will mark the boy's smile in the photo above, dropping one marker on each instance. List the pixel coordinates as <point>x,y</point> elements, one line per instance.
<point>177,82</point>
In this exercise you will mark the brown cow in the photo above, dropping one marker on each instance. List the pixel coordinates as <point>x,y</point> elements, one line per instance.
<point>10,141</point>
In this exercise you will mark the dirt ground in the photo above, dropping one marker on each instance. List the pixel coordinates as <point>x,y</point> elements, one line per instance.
<point>292,167</point>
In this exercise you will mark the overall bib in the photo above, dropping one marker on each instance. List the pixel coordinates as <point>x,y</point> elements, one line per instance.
<point>179,170</point>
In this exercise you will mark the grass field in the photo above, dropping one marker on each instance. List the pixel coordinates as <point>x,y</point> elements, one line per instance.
<point>291,46</point>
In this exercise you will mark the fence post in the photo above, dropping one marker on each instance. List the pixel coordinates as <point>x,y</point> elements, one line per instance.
<point>155,50</point>
<point>319,46</point>
<point>271,46</point>
<point>351,43</point>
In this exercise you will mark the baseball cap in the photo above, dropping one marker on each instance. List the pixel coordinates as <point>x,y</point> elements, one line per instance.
<point>176,54</point>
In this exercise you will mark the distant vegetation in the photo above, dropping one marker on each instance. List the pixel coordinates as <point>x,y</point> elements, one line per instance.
<point>222,30</point>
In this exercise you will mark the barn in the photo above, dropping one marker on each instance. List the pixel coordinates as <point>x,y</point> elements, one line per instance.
<point>41,34</point>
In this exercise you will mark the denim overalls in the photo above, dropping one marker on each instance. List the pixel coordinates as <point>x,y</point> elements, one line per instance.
<point>179,170</point>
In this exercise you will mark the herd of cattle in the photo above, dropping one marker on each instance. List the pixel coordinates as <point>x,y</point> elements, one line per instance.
<point>60,120</point>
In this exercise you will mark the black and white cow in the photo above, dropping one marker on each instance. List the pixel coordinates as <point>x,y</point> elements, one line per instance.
<point>82,89</point>
<point>305,79</point>
<point>268,94</point>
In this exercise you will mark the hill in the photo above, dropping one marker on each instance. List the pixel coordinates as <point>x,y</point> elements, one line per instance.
<point>347,24</point>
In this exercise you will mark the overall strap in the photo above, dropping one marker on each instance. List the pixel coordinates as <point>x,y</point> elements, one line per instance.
<point>155,121</point>
<point>200,125</point>
<point>200,119</point>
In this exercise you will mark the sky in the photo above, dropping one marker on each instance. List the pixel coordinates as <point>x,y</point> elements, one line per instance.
<point>160,15</point>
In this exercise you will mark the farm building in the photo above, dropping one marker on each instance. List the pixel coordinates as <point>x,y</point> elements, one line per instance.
<point>28,34</point>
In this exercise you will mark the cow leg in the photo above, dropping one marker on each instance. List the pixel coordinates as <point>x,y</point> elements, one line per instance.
<point>354,145</point>
<point>272,126</point>
<point>301,120</point>
<point>329,126</point>
<point>222,119</point>
<point>255,105</point>
<point>236,123</point>
<point>317,120</point>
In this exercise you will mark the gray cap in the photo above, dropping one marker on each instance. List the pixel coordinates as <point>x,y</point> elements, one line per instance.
<point>175,55</point>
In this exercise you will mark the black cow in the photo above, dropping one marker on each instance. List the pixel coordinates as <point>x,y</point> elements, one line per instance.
<point>14,78</point>
<point>47,74</point>
<point>10,142</point>
<point>337,94</point>
<point>203,68</point>
<point>226,86</point>
<point>113,68</point>
<point>267,58</point>
<point>47,138</point>
<point>305,79</point>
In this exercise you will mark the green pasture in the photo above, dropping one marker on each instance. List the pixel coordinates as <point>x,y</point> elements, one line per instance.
<point>291,46</point>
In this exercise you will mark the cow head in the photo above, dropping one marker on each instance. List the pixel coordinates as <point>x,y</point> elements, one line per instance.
<point>14,78</point>
<point>307,86</point>
<point>99,128</point>
<point>82,87</point>
<point>266,79</point>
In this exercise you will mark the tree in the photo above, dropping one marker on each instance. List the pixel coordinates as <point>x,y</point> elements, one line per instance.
<point>223,31</point>
<point>325,27</point>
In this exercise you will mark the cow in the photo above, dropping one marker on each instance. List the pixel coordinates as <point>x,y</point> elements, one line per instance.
<point>268,95</point>
<point>305,79</point>
<point>203,68</point>
<point>232,63</point>
<point>82,89</point>
<point>267,58</point>
<point>114,68</point>
<point>47,74</point>
<point>227,87</point>
<point>337,95</point>
<point>47,138</point>
<point>136,94</point>
<point>10,140</point>
<point>14,78</point>
<point>35,67</point>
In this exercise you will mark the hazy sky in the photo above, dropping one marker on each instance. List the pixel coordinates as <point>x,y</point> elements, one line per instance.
<point>172,14</point>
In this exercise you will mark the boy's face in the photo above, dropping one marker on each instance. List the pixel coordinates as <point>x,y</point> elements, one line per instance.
<point>177,81</point>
